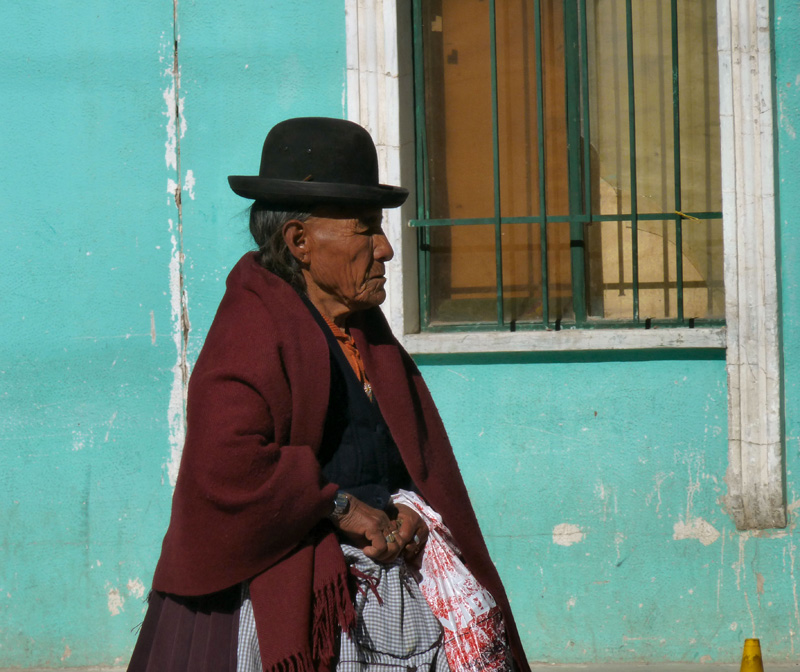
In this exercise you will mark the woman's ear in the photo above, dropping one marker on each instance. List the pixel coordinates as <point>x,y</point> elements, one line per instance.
<point>295,237</point>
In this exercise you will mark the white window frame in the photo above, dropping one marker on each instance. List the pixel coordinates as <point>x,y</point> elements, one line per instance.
<point>379,97</point>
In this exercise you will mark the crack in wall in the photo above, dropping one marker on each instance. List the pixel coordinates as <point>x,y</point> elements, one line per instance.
<point>176,127</point>
<point>185,325</point>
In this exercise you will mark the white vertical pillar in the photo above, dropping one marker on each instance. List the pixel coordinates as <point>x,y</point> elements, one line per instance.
<point>755,475</point>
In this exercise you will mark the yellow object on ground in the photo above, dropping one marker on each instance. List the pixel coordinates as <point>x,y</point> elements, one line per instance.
<point>751,656</point>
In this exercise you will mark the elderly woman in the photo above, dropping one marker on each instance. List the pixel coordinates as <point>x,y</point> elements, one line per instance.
<point>305,415</point>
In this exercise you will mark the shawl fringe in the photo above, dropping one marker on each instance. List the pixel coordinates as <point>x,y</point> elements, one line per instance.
<point>332,605</point>
<point>298,662</point>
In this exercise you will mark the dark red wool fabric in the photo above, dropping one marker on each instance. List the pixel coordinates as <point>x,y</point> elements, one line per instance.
<point>250,502</point>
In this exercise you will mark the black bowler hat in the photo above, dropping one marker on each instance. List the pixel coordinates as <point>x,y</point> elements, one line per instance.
<point>312,161</point>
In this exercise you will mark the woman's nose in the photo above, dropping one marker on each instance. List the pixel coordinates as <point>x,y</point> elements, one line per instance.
<point>383,249</point>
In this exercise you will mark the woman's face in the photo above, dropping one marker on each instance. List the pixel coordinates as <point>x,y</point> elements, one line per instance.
<point>342,253</point>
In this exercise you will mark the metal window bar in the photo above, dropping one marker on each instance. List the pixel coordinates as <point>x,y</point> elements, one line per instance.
<point>676,146</point>
<point>422,174</point>
<point>580,214</point>
<point>574,157</point>
<point>537,23</point>
<point>565,219</point>
<point>585,126</point>
<point>632,149</point>
<point>498,234</point>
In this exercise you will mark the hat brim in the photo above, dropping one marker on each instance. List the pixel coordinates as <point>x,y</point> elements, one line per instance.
<point>292,193</point>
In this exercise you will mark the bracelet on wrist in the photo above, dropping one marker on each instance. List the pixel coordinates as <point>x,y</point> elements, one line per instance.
<point>341,505</point>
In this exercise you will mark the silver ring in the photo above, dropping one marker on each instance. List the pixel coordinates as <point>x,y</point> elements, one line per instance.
<point>390,538</point>
<point>416,539</point>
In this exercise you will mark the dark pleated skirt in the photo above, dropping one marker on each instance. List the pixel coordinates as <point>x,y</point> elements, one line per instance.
<point>189,634</point>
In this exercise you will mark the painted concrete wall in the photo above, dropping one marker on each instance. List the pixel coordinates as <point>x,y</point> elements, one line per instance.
<point>90,347</point>
<point>597,478</point>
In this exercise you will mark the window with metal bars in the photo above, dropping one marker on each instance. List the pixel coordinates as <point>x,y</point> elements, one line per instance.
<point>568,170</point>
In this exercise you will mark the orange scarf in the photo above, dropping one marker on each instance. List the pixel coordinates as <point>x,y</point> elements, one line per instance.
<point>350,351</point>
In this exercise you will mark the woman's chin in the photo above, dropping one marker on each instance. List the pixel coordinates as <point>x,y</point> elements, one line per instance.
<point>371,300</point>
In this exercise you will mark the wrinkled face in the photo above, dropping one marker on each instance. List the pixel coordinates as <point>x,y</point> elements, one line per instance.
<point>343,253</point>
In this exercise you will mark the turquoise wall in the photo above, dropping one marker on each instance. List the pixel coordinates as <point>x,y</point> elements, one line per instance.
<point>597,478</point>
<point>585,465</point>
<point>89,387</point>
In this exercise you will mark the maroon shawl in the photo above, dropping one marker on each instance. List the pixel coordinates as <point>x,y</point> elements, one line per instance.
<point>250,502</point>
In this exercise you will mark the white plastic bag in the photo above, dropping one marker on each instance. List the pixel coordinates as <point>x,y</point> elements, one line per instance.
<point>474,631</point>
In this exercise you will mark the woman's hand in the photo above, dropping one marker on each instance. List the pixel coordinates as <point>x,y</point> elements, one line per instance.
<point>381,538</point>
<point>371,530</point>
<point>412,532</point>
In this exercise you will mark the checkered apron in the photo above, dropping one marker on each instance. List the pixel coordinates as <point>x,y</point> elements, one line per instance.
<point>395,629</point>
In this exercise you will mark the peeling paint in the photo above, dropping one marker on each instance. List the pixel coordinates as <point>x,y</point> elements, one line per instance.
<point>567,534</point>
<point>115,602</point>
<point>792,549</point>
<point>692,489</point>
<point>173,113</point>
<point>177,401</point>
<point>605,494</point>
<point>176,129</point>
<point>720,570</point>
<point>110,426</point>
<point>173,191</point>
<point>188,183</point>
<point>136,588</point>
<point>619,539</point>
<point>659,480</point>
<point>785,120</point>
<point>750,612</point>
<point>739,564</point>
<point>78,441</point>
<point>695,528</point>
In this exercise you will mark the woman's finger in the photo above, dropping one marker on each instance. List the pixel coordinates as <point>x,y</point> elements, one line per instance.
<point>411,524</point>
<point>417,542</point>
<point>422,535</point>
<point>378,545</point>
<point>384,545</point>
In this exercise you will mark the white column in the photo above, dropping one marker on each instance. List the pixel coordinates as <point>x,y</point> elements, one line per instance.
<point>755,475</point>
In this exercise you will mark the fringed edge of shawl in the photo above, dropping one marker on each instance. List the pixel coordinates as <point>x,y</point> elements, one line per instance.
<point>298,662</point>
<point>332,605</point>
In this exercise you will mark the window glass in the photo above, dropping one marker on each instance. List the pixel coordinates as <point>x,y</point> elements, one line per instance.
<point>579,202</point>
<point>458,105</point>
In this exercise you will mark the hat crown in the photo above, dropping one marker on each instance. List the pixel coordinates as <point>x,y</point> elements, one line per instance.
<point>319,149</point>
<point>312,161</point>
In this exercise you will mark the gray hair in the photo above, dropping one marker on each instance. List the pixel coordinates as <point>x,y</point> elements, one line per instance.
<point>266,225</point>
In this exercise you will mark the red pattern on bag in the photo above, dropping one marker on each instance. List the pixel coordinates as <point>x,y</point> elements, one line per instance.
<point>474,631</point>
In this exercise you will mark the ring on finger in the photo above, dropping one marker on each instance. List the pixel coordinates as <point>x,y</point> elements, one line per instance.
<point>390,538</point>
<point>416,539</point>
